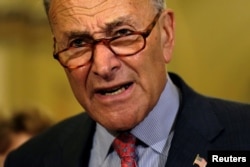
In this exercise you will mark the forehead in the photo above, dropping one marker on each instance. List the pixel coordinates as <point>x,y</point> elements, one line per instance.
<point>65,13</point>
<point>93,7</point>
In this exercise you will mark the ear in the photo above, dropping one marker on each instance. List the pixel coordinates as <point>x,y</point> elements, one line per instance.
<point>167,24</point>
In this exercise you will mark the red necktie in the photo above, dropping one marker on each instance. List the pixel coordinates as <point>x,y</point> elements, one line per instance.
<point>124,145</point>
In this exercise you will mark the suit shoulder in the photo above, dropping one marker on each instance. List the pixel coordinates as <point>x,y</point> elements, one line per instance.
<point>51,142</point>
<point>227,106</point>
<point>233,115</point>
<point>65,127</point>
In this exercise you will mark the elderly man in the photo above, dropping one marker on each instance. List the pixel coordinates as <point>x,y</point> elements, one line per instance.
<point>114,53</point>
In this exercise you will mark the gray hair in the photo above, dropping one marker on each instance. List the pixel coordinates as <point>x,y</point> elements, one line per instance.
<point>159,5</point>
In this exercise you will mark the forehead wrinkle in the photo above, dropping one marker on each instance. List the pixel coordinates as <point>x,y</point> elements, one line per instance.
<point>93,5</point>
<point>107,28</point>
<point>76,10</point>
<point>103,28</point>
<point>70,9</point>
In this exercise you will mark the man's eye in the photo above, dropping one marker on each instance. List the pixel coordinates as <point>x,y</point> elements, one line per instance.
<point>123,32</point>
<point>77,43</point>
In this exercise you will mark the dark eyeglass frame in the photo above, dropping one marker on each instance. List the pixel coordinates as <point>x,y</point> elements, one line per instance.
<point>107,41</point>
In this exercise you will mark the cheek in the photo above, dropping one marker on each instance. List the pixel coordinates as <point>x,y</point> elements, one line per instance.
<point>152,62</point>
<point>77,80</point>
<point>153,68</point>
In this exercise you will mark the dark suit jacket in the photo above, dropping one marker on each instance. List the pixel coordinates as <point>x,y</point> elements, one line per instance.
<point>202,124</point>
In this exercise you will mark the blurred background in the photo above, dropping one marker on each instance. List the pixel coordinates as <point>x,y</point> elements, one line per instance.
<point>212,54</point>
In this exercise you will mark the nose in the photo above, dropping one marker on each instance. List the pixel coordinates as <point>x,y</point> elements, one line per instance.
<point>105,63</point>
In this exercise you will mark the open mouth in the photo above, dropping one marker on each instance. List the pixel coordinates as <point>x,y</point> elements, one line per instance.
<point>115,90</point>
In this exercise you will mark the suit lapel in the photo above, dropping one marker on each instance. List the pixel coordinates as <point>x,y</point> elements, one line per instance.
<point>196,126</point>
<point>76,148</point>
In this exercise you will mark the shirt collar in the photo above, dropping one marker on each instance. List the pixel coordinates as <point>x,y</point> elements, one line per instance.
<point>160,120</point>
<point>102,141</point>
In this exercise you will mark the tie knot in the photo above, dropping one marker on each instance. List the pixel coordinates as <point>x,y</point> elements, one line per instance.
<point>124,145</point>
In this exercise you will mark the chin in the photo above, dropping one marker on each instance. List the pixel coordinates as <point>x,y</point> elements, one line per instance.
<point>121,125</point>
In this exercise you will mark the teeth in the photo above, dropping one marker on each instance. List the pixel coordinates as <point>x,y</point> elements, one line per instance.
<point>115,92</point>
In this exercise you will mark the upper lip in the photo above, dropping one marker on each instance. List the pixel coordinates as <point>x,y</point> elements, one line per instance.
<point>105,89</point>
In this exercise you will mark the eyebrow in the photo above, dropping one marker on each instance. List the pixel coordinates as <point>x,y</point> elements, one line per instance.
<point>108,28</point>
<point>123,20</point>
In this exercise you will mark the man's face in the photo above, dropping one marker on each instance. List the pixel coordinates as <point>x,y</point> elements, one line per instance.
<point>117,92</point>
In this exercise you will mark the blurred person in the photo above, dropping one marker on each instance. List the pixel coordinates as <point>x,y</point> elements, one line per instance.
<point>22,125</point>
<point>5,139</point>
<point>114,54</point>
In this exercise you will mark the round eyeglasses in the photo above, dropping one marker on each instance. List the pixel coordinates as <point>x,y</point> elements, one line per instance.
<point>125,45</point>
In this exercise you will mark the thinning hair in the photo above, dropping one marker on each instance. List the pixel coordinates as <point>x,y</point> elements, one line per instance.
<point>159,5</point>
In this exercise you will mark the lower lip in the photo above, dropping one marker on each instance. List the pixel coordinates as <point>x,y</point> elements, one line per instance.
<point>120,97</point>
